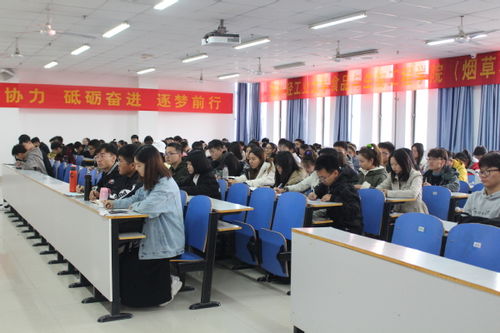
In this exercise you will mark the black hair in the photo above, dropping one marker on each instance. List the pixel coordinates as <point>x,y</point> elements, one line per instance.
<point>299,140</point>
<point>387,145</point>
<point>135,136</point>
<point>259,153</point>
<point>491,159</point>
<point>420,150</point>
<point>35,139</point>
<point>403,159</point>
<point>341,144</point>
<point>127,152</point>
<point>108,147</point>
<point>265,140</point>
<point>479,151</point>
<point>55,145</point>
<point>327,150</point>
<point>329,163</point>
<point>371,152</point>
<point>23,138</point>
<point>177,138</point>
<point>199,161</point>
<point>285,160</point>
<point>94,143</point>
<point>154,168</point>
<point>18,149</point>
<point>217,144</point>
<point>176,146</point>
<point>197,145</point>
<point>465,157</point>
<point>316,146</point>
<point>235,148</point>
<point>77,145</point>
<point>286,143</point>
<point>148,140</point>
<point>438,153</point>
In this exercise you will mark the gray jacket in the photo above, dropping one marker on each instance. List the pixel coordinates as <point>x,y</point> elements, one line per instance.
<point>34,161</point>
<point>481,204</point>
<point>412,188</point>
<point>164,228</point>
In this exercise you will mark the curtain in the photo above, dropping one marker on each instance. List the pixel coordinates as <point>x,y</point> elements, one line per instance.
<point>296,119</point>
<point>248,113</point>
<point>341,124</point>
<point>489,126</point>
<point>254,99</point>
<point>455,118</point>
<point>241,113</point>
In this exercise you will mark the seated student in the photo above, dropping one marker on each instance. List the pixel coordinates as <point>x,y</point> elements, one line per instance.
<point>371,173</point>
<point>311,181</point>
<point>298,143</point>
<point>43,147</point>
<point>235,148</point>
<point>288,171</point>
<point>56,151</point>
<point>259,173</point>
<point>89,154</point>
<point>285,145</point>
<point>223,159</point>
<point>78,148</point>
<point>486,203</point>
<point>135,139</point>
<point>202,180</point>
<point>126,168</point>
<point>458,166</point>
<point>348,216</point>
<point>417,150</point>
<point>404,182</point>
<point>178,167</point>
<point>29,157</point>
<point>342,147</point>
<point>29,144</point>
<point>351,152</point>
<point>145,278</point>
<point>439,173</point>
<point>148,140</point>
<point>478,153</point>
<point>386,150</point>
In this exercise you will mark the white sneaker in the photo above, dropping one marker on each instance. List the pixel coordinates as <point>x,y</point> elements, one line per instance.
<point>175,287</point>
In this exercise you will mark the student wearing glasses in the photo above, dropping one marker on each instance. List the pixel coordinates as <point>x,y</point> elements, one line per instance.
<point>178,168</point>
<point>486,203</point>
<point>438,173</point>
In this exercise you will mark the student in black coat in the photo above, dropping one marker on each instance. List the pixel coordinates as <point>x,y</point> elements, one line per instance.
<point>202,180</point>
<point>221,158</point>
<point>337,189</point>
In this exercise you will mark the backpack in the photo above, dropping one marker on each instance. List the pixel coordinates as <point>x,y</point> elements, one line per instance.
<point>466,218</point>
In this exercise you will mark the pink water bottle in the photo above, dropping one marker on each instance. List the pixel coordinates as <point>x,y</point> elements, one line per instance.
<point>104,193</point>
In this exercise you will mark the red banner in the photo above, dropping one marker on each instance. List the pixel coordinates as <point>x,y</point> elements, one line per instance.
<point>44,96</point>
<point>425,74</point>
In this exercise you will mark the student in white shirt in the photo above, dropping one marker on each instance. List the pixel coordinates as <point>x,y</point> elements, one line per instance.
<point>260,173</point>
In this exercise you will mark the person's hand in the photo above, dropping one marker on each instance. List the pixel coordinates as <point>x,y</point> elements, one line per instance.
<point>94,195</point>
<point>426,184</point>
<point>108,204</point>
<point>326,197</point>
<point>358,187</point>
<point>231,181</point>
<point>80,189</point>
<point>312,196</point>
<point>279,190</point>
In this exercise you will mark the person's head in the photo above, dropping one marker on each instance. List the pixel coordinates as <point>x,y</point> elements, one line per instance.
<point>285,163</point>
<point>302,149</point>
<point>216,149</point>
<point>56,147</point>
<point>308,161</point>
<point>26,142</point>
<point>197,162</point>
<point>298,143</point>
<point>134,138</point>
<point>78,147</point>
<point>57,138</point>
<point>285,145</point>
<point>105,156</point>
<point>35,141</point>
<point>465,157</point>
<point>479,152</point>
<point>401,164</point>
<point>369,157</point>
<point>173,154</point>
<point>19,152</point>
<point>126,162</point>
<point>92,146</point>
<point>235,148</point>
<point>265,140</point>
<point>270,150</point>
<point>177,138</point>
<point>148,140</point>
<point>417,150</point>
<point>351,149</point>
<point>85,141</point>
<point>328,169</point>
<point>341,147</point>
<point>386,149</point>
<point>489,171</point>
<point>197,145</point>
<point>168,140</point>
<point>436,159</point>
<point>23,138</point>
<point>149,165</point>
<point>256,158</point>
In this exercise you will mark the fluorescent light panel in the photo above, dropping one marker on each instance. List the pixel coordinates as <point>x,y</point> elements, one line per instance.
<point>480,36</point>
<point>145,71</point>
<point>440,41</point>
<point>290,65</point>
<point>116,30</point>
<point>51,65</point>
<point>164,4</point>
<point>228,76</point>
<point>81,49</point>
<point>195,58</point>
<point>251,43</point>
<point>339,20</point>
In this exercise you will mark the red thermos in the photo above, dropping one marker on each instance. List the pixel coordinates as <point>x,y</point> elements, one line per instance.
<point>73,179</point>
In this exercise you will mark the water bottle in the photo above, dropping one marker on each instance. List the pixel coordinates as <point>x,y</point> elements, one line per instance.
<point>87,188</point>
<point>225,173</point>
<point>73,178</point>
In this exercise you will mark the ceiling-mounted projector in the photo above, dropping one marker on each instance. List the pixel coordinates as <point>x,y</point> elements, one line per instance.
<point>220,37</point>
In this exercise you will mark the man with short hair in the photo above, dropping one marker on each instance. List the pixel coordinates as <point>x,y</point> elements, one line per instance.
<point>148,140</point>
<point>25,141</point>
<point>56,153</point>
<point>126,168</point>
<point>29,157</point>
<point>222,158</point>
<point>342,147</point>
<point>173,156</point>
<point>135,139</point>
<point>438,173</point>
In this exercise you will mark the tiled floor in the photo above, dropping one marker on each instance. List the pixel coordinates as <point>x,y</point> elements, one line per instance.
<point>34,299</point>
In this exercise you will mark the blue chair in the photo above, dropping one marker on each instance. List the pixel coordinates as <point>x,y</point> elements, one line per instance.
<point>471,179</point>
<point>475,244</point>
<point>66,173</point>
<point>419,231</point>
<point>372,208</point>
<point>78,159</point>
<point>183,198</point>
<point>464,188</point>
<point>246,240</point>
<point>477,187</point>
<point>55,168</point>
<point>60,171</point>
<point>222,188</point>
<point>437,199</point>
<point>290,211</point>
<point>81,176</point>
<point>238,193</point>
<point>98,177</point>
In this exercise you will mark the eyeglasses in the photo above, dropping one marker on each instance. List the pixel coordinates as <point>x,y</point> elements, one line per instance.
<point>487,172</point>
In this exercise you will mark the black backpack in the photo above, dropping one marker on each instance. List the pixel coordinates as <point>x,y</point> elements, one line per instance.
<point>467,218</point>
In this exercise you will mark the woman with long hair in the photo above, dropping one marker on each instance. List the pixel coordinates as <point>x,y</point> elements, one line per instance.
<point>259,172</point>
<point>287,170</point>
<point>202,181</point>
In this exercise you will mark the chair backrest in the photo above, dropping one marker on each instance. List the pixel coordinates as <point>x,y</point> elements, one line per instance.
<point>437,199</point>
<point>98,177</point>
<point>464,187</point>
<point>222,188</point>
<point>477,187</point>
<point>419,231</point>
<point>262,201</point>
<point>183,198</point>
<point>78,159</point>
<point>93,175</point>
<point>290,211</point>
<point>60,171</point>
<point>196,221</point>
<point>475,244</point>
<point>66,173</point>
<point>81,176</point>
<point>238,193</point>
<point>471,179</point>
<point>372,208</point>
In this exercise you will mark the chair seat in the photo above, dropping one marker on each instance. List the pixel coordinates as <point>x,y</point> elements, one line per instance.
<point>187,257</point>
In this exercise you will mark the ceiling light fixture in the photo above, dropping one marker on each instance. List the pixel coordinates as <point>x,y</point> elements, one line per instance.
<point>116,30</point>
<point>81,49</point>
<point>339,20</point>
<point>195,58</point>
<point>228,76</point>
<point>146,71</point>
<point>164,4</point>
<point>290,65</point>
<point>51,65</point>
<point>440,41</point>
<point>251,43</point>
